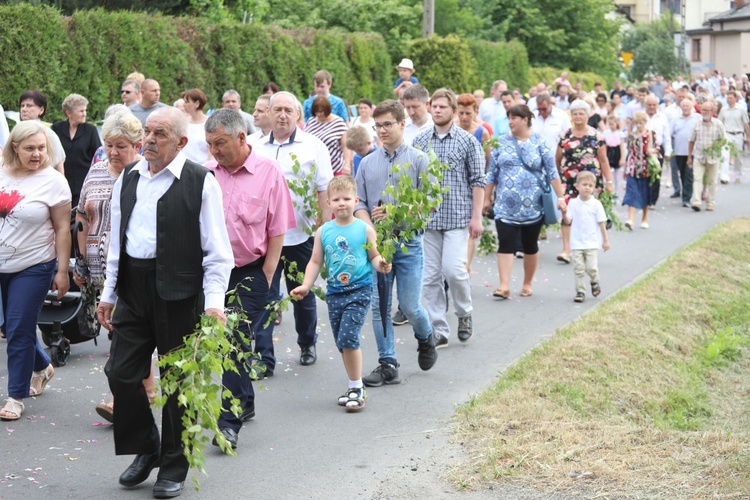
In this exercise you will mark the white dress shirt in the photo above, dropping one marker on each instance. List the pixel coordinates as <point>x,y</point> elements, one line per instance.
<point>309,151</point>
<point>491,109</point>
<point>660,125</point>
<point>411,131</point>
<point>218,259</point>
<point>552,128</point>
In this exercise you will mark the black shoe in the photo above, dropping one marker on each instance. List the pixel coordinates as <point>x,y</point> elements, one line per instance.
<point>465,329</point>
<point>230,435</point>
<point>248,413</point>
<point>696,208</point>
<point>440,340</point>
<point>676,195</point>
<point>165,488</point>
<point>308,356</point>
<point>399,318</point>
<point>262,371</point>
<point>140,469</point>
<point>385,373</point>
<point>427,354</point>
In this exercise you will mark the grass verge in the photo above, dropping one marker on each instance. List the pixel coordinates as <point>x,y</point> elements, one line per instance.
<point>646,396</point>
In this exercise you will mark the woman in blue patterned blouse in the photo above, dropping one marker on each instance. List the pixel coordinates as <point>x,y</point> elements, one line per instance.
<point>519,167</point>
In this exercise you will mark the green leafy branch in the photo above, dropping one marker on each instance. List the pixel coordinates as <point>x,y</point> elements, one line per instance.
<point>488,241</point>
<point>409,211</point>
<point>653,169</point>
<point>193,372</point>
<point>608,202</point>
<point>294,273</point>
<point>716,149</point>
<point>304,186</point>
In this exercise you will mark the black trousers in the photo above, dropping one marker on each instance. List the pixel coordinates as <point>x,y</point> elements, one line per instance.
<point>142,322</point>
<point>686,177</point>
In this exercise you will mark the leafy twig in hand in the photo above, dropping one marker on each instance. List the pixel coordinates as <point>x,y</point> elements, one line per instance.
<point>292,272</point>
<point>305,188</point>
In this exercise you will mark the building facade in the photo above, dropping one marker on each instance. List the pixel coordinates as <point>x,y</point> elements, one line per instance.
<point>722,42</point>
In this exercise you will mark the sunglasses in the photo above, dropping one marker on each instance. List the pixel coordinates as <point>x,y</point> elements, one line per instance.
<point>126,91</point>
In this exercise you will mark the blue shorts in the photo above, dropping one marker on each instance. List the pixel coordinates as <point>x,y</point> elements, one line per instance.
<point>347,312</point>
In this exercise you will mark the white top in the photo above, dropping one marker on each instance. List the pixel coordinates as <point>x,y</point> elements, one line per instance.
<point>370,126</point>
<point>491,109</point>
<point>585,217</point>
<point>218,259</point>
<point>256,137</point>
<point>556,123</point>
<point>411,131</point>
<point>660,125</point>
<point>197,148</point>
<point>27,235</point>
<point>309,151</point>
<point>4,130</point>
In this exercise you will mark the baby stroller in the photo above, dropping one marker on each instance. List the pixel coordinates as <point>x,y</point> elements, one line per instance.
<point>70,319</point>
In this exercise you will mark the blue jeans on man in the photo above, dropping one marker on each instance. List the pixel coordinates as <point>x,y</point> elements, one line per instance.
<point>408,268</point>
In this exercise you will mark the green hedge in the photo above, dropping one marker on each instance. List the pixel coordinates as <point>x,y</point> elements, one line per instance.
<point>466,65</point>
<point>548,75</point>
<point>91,52</point>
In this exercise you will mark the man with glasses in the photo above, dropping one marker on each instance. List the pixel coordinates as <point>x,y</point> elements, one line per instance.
<point>150,93</point>
<point>373,177</point>
<point>287,144</point>
<point>129,92</point>
<point>549,121</point>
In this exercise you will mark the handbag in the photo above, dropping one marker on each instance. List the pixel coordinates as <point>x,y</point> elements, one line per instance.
<point>551,214</point>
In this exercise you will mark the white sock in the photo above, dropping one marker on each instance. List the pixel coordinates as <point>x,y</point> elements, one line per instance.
<point>355,384</point>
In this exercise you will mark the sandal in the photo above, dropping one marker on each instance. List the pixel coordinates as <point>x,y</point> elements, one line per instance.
<point>564,257</point>
<point>46,375</point>
<point>15,410</point>
<point>354,399</point>
<point>106,411</point>
<point>595,290</point>
<point>501,294</point>
<point>526,292</point>
<point>580,296</point>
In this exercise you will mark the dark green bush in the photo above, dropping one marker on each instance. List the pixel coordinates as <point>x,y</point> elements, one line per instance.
<point>93,51</point>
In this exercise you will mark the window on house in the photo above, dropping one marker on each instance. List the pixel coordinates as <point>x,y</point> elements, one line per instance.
<point>695,53</point>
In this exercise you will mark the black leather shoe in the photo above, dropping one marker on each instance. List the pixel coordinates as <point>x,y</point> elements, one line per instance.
<point>230,435</point>
<point>308,356</point>
<point>140,469</point>
<point>164,488</point>
<point>248,413</point>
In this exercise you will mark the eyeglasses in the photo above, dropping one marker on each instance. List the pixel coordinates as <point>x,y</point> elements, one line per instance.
<point>384,125</point>
<point>126,91</point>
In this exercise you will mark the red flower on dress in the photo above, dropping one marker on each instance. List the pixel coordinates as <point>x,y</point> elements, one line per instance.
<point>8,201</point>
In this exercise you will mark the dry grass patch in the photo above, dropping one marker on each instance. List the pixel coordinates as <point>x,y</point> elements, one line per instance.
<point>646,396</point>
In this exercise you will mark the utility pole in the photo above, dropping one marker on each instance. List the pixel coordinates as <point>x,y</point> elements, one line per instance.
<point>428,18</point>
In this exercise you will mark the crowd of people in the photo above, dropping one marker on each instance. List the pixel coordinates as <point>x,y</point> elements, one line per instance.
<point>180,204</point>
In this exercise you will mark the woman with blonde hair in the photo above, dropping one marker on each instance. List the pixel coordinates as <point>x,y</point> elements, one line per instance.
<point>34,241</point>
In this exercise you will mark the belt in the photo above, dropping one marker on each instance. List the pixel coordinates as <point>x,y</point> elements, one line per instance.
<point>140,263</point>
<point>734,133</point>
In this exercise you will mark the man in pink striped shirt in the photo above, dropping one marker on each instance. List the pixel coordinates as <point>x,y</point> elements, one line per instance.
<point>258,212</point>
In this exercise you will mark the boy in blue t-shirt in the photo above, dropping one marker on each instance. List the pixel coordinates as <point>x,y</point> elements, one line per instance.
<point>406,77</point>
<point>348,246</point>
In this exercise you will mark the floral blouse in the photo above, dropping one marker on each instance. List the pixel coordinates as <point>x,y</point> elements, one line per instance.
<point>638,146</point>
<point>580,153</point>
<point>519,192</point>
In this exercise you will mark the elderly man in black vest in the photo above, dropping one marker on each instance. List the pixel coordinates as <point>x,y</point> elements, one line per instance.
<point>169,260</point>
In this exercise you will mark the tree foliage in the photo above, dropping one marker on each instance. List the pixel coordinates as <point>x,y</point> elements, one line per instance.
<point>559,33</point>
<point>653,48</point>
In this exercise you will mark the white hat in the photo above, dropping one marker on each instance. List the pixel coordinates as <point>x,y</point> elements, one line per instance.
<point>406,63</point>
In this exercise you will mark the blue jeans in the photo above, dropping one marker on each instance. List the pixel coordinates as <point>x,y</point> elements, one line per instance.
<point>23,295</point>
<point>408,269</point>
<point>305,310</point>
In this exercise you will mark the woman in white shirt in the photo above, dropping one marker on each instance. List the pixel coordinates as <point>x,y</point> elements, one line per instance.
<point>366,120</point>
<point>197,148</point>
<point>34,236</point>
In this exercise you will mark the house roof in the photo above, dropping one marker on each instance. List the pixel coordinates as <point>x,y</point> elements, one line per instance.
<point>742,12</point>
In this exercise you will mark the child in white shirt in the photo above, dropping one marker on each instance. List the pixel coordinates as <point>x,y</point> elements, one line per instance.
<point>584,214</point>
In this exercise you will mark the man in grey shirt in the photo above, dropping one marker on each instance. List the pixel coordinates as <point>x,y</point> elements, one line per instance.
<point>150,93</point>
<point>373,177</point>
<point>232,100</point>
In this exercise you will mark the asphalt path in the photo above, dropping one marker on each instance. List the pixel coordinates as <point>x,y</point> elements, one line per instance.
<point>301,443</point>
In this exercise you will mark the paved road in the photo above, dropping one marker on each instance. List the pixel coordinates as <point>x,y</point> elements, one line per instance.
<point>301,444</point>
